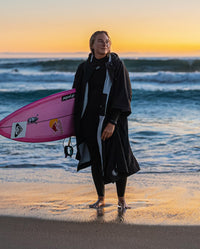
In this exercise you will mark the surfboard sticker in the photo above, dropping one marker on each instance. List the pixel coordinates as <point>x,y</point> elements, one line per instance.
<point>18,130</point>
<point>56,125</point>
<point>68,96</point>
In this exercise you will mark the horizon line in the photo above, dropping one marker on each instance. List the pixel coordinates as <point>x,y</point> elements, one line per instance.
<point>9,54</point>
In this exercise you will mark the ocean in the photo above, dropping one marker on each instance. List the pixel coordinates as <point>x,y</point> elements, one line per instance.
<point>164,127</point>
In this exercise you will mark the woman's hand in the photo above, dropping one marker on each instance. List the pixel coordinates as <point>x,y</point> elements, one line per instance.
<point>108,131</point>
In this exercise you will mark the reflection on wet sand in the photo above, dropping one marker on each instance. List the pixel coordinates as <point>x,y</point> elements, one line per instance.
<point>149,205</point>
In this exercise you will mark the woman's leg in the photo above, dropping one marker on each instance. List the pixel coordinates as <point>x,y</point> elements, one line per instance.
<point>121,187</point>
<point>97,174</point>
<point>98,179</point>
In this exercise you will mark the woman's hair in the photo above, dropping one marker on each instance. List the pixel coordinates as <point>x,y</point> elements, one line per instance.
<point>94,35</point>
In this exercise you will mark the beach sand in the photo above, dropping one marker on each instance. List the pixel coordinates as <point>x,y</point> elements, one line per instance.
<point>57,215</point>
<point>27,233</point>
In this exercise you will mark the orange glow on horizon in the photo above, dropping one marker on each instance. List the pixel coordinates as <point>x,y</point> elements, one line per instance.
<point>160,27</point>
<point>62,42</point>
<point>119,46</point>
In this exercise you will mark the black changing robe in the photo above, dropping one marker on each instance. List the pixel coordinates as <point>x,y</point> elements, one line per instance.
<point>117,157</point>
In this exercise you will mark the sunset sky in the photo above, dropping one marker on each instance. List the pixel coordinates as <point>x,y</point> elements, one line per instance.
<point>159,27</point>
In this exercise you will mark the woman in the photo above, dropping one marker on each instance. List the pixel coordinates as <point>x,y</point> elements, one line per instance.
<point>102,104</point>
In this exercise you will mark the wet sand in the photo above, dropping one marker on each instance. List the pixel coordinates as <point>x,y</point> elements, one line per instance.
<point>150,205</point>
<point>28,233</point>
<point>55,215</point>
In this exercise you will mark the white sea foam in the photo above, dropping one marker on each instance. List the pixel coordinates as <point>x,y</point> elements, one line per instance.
<point>36,77</point>
<point>169,81</point>
<point>166,77</point>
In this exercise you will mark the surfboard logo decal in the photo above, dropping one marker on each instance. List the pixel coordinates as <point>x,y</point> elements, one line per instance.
<point>56,125</point>
<point>18,130</point>
<point>33,120</point>
<point>67,97</point>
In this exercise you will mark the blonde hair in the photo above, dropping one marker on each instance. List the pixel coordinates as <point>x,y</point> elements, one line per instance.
<point>93,37</point>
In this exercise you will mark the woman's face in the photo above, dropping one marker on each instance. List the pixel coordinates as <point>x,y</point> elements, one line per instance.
<point>101,46</point>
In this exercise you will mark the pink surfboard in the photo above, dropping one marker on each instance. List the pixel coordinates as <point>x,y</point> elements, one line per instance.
<point>47,119</point>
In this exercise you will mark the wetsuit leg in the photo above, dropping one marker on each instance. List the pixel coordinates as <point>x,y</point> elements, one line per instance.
<point>121,186</point>
<point>96,168</point>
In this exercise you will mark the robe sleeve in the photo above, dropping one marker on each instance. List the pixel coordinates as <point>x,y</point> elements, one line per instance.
<point>114,116</point>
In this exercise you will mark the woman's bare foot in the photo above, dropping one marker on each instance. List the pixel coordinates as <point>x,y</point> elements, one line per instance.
<point>99,203</point>
<point>122,203</point>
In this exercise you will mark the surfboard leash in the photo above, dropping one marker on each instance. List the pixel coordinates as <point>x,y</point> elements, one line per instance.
<point>68,149</point>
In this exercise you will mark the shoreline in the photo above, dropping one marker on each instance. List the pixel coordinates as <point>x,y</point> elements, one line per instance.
<point>16,232</point>
<point>150,204</point>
